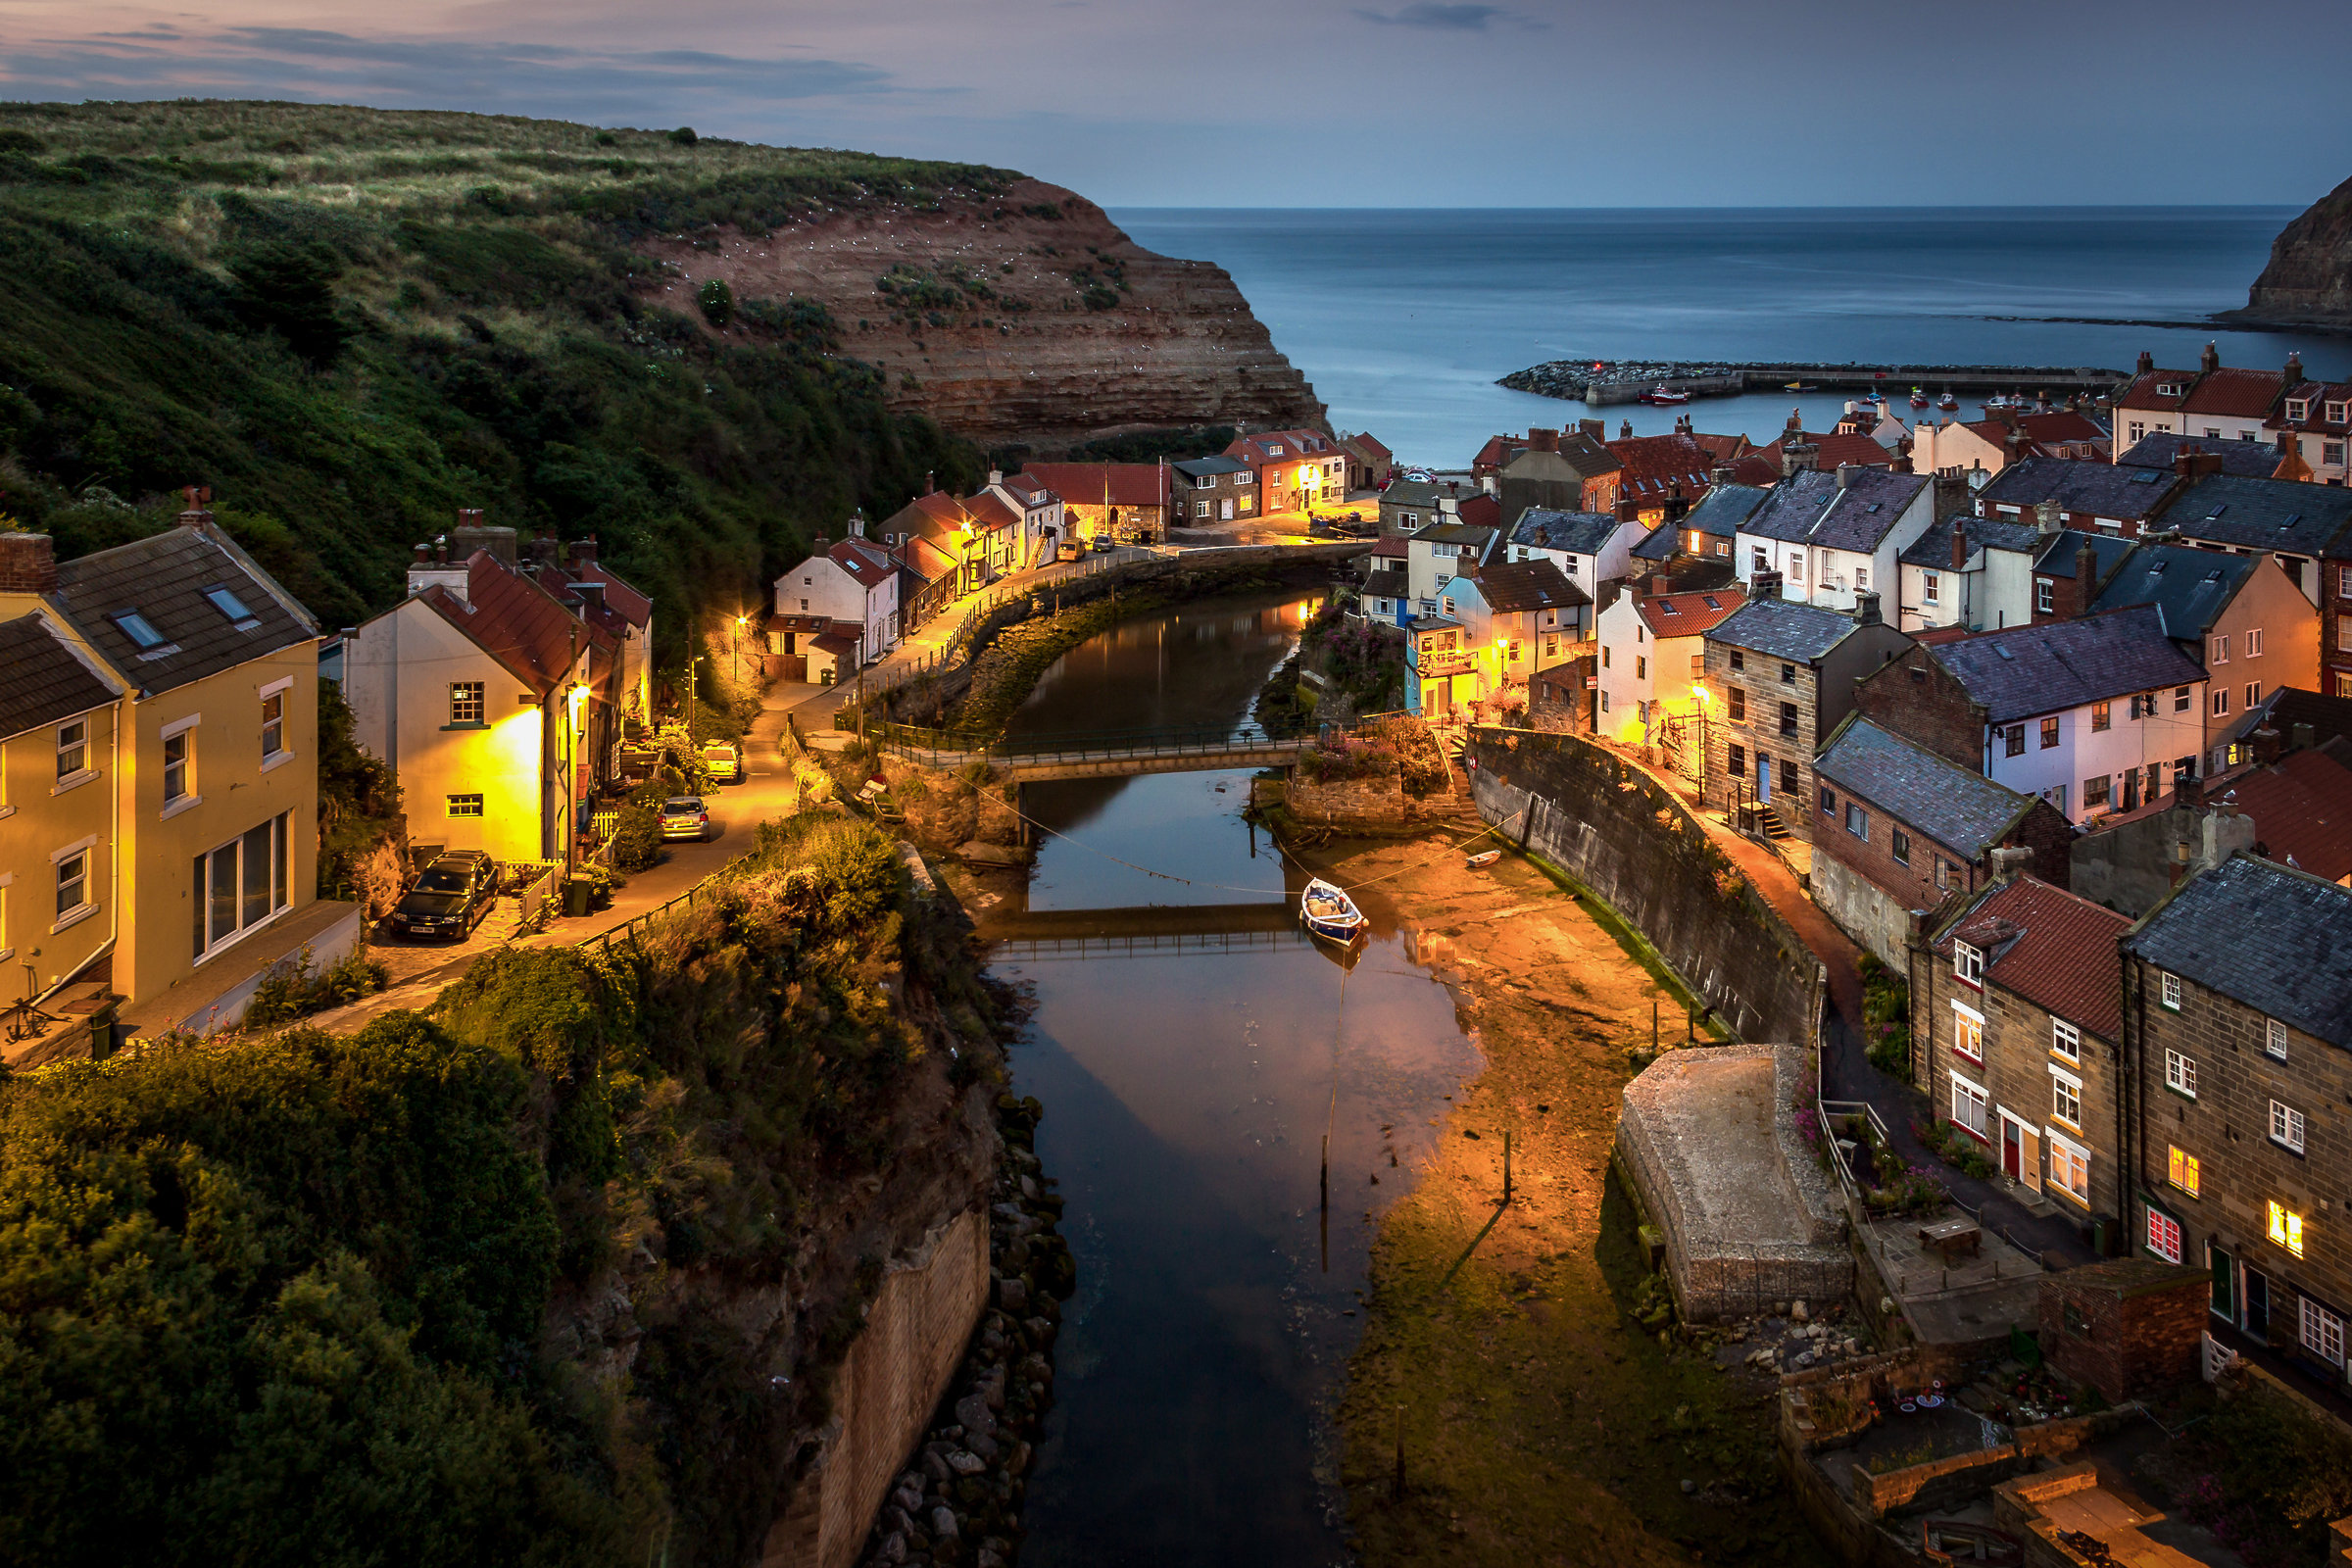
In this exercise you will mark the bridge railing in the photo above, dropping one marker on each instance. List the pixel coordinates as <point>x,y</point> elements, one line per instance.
<point>1166,741</point>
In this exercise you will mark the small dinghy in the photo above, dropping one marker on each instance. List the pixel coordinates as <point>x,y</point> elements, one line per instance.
<point>1330,914</point>
<point>1485,858</point>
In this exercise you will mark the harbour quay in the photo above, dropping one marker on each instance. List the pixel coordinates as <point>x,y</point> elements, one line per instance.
<point>1601,383</point>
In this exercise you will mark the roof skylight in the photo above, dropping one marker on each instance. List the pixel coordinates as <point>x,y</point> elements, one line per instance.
<point>138,629</point>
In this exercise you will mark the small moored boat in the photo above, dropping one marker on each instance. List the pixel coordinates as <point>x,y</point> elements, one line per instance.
<point>1665,395</point>
<point>1948,401</point>
<point>1330,914</point>
<point>1919,398</point>
<point>1484,857</point>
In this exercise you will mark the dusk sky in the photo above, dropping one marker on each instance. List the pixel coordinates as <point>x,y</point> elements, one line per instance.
<point>1289,103</point>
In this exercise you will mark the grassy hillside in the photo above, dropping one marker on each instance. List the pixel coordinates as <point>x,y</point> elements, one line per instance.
<point>350,322</point>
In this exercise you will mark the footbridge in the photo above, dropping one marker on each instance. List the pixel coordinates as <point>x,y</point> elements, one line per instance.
<point>1099,754</point>
<point>1159,929</point>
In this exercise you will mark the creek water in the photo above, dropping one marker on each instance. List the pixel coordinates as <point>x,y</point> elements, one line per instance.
<point>1191,1049</point>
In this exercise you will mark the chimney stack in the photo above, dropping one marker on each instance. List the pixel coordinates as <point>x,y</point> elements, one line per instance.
<point>1866,607</point>
<point>27,564</point>
<point>857,523</point>
<point>2304,737</point>
<point>2188,791</point>
<point>1625,429</point>
<point>1959,544</point>
<point>2147,362</point>
<point>1677,504</point>
<point>1627,508</point>
<point>2294,368</point>
<point>2049,519</point>
<point>584,549</point>
<point>1845,475</point>
<point>2008,861</point>
<point>2211,359</point>
<point>1660,587</point>
<point>469,516</point>
<point>425,554</point>
<point>195,516</point>
<point>1722,473</point>
<point>2087,576</point>
<point>2266,745</point>
<point>1595,428</point>
<point>1540,440</point>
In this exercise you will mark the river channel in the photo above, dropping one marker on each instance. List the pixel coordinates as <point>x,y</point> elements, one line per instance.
<point>1193,1049</point>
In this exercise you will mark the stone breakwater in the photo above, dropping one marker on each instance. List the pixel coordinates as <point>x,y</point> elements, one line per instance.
<point>1600,382</point>
<point>959,1500</point>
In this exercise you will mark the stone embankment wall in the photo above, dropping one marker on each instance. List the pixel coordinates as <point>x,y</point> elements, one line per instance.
<point>1623,835</point>
<point>1360,803</point>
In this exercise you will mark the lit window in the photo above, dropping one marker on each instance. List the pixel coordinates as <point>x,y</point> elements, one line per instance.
<point>465,806</point>
<point>177,750</point>
<point>2181,1169</point>
<point>2286,1227</point>
<point>2099,717</point>
<point>2287,1126</point>
<point>2066,1040</point>
<point>2066,1098</point>
<point>2069,1169</point>
<point>2049,733</point>
<point>2181,1073</point>
<point>274,724</point>
<point>1968,1034</point>
<point>465,701</point>
<point>2163,1236</point>
<point>1967,963</point>
<point>2171,988</point>
<point>2274,1038</point>
<point>73,748</point>
<point>2322,1329</point>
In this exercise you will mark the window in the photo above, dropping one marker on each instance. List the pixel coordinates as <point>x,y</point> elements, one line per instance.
<point>2049,732</point>
<point>1968,1034</point>
<point>1605,647</point>
<point>2100,718</point>
<point>1900,847</point>
<point>2180,698</point>
<point>2274,1038</point>
<point>2170,990</point>
<point>73,748</point>
<point>2066,1098</point>
<point>1946,873</point>
<point>2285,1227</point>
<point>2253,695</point>
<point>1967,963</point>
<point>1738,659</point>
<point>2298,409</point>
<point>138,629</point>
<point>1829,800</point>
<point>2323,1331</point>
<point>177,750</point>
<point>2043,601</point>
<point>1928,588</point>
<point>1861,578</point>
<point>2094,791</point>
<point>2181,1169</point>
<point>273,725</point>
<point>2066,1040</point>
<point>2181,1073</point>
<point>2334,413</point>
<point>1789,719</point>
<point>2287,1126</point>
<point>1857,821</point>
<point>1736,698</point>
<point>1969,1108</point>
<point>465,806</point>
<point>1788,675</point>
<point>1762,561</point>
<point>72,882</point>
<point>2254,643</point>
<point>1605,701</point>
<point>2139,428</point>
<point>1200,510</point>
<point>1735,761</point>
<point>228,604</point>
<point>2163,1236</point>
<point>2331,453</point>
<point>240,885</point>
<point>1796,568</point>
<point>2070,1168</point>
<point>1640,666</point>
<point>464,703</point>
<point>2220,701</point>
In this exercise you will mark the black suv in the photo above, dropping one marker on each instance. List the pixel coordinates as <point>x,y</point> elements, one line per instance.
<point>450,898</point>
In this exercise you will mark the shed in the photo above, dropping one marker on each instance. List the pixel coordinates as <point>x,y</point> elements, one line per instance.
<point>2126,1327</point>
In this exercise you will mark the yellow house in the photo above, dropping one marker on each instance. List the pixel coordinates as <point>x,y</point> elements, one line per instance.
<point>215,786</point>
<point>58,902</point>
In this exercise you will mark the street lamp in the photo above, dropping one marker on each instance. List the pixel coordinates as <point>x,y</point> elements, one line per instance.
<point>1701,771</point>
<point>739,625</point>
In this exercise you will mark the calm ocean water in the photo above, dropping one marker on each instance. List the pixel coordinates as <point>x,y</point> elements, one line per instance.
<point>1402,319</point>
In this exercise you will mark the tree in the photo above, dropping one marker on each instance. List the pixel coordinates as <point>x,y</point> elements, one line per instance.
<point>290,289</point>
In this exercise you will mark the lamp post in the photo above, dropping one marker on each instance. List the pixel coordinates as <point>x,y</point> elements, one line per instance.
<point>1699,773</point>
<point>739,625</point>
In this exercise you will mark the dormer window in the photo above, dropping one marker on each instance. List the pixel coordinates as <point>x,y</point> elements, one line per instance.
<point>138,629</point>
<point>1274,449</point>
<point>2334,413</point>
<point>2298,409</point>
<point>2167,389</point>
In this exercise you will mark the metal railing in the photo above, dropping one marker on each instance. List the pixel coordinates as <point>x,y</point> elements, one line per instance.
<point>1095,745</point>
<point>628,929</point>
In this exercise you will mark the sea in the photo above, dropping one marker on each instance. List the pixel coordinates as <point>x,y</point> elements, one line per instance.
<point>1405,319</point>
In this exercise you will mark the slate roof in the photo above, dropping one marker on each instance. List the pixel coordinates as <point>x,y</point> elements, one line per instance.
<point>2099,489</point>
<point>1725,508</point>
<point>2229,508</point>
<point>2190,587</point>
<point>1934,547</point>
<point>163,578</point>
<point>1525,585</point>
<point>513,620</point>
<point>1197,468</point>
<point>1689,615</point>
<point>2252,459</point>
<point>1813,509</point>
<point>1389,583</point>
<point>2276,940</point>
<point>1455,533</point>
<point>1958,808</point>
<point>1583,532</point>
<point>1785,628</point>
<point>1414,494</point>
<point>2050,946</point>
<point>2027,670</point>
<point>47,681</point>
<point>1661,543</point>
<point>1583,457</point>
<point>2065,548</point>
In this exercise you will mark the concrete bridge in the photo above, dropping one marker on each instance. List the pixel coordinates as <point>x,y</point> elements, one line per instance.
<point>1153,929</point>
<point>1100,753</point>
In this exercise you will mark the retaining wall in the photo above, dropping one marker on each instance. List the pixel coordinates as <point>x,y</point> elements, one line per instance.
<point>1862,910</point>
<point>1619,832</point>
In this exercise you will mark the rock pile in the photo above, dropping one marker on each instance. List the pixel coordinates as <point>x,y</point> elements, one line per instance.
<point>959,1502</point>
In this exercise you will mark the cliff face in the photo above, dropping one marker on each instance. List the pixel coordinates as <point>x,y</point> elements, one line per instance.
<point>2310,275</point>
<point>1028,316</point>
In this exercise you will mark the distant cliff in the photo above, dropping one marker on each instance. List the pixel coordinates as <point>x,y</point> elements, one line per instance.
<point>2310,275</point>
<point>1017,314</point>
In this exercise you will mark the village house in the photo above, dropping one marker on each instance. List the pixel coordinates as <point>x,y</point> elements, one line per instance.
<point>1652,654</point>
<point>2306,528</point>
<point>1408,505</point>
<point>1126,502</point>
<point>2161,449</point>
<point>2090,714</point>
<point>1560,472</point>
<point>2015,1001</point>
<point>1982,449</point>
<point>2211,403</point>
<point>1660,476</point>
<point>2312,421</point>
<point>1830,536</point>
<point>1780,676</point>
<point>1369,463</point>
<point>58,780</point>
<point>1298,470</point>
<point>1041,527</point>
<point>2093,496</point>
<point>212,790</point>
<point>1484,635</point>
<point>1443,550</point>
<point>853,586</point>
<point>2251,628</point>
<point>1974,574</point>
<point>1796,449</point>
<point>1590,548</point>
<point>1208,490</point>
<point>2071,569</point>
<point>2237,1040</point>
<point>1712,528</point>
<point>1386,596</point>
<point>1903,829</point>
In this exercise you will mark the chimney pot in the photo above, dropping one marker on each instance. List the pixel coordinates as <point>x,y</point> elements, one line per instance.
<point>584,549</point>
<point>1959,544</point>
<point>1845,475</point>
<point>1625,429</point>
<point>425,554</point>
<point>27,564</point>
<point>2211,359</point>
<point>469,516</point>
<point>2304,737</point>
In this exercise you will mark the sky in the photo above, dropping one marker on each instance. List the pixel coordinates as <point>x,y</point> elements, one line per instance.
<point>1326,103</point>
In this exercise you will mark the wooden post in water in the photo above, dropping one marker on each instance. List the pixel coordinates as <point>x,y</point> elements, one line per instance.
<point>1397,1485</point>
<point>1653,1025</point>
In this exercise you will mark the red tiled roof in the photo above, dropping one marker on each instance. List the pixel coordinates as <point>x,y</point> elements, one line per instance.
<point>1481,510</point>
<point>1391,546</point>
<point>1722,448</point>
<point>1756,470</point>
<point>1033,490</point>
<point>1688,614</point>
<point>1129,484</point>
<point>1832,449</point>
<point>2143,394</point>
<point>513,620</point>
<point>2318,394</point>
<point>2302,812</point>
<point>926,559</point>
<point>634,607</point>
<point>989,511</point>
<point>2060,425</point>
<point>2235,393</point>
<point>1651,464</point>
<point>863,559</point>
<point>2052,948</point>
<point>1942,634</point>
<point>1498,451</point>
<point>1294,444</point>
<point>1369,448</point>
<point>606,627</point>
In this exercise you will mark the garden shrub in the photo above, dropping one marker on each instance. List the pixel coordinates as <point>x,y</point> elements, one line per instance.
<point>636,839</point>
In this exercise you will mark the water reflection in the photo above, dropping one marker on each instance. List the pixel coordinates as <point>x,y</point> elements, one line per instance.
<point>1192,1069</point>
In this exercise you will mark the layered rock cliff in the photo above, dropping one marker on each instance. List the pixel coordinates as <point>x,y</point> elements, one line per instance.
<point>2310,275</point>
<point>1024,316</point>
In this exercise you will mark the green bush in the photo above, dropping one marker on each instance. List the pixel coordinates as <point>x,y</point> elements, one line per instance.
<point>290,990</point>
<point>717,302</point>
<point>2273,1475</point>
<point>636,840</point>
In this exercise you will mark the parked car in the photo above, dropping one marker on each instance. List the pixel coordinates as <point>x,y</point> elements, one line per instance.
<point>450,898</point>
<point>683,817</point>
<point>1101,544</point>
<point>724,760</point>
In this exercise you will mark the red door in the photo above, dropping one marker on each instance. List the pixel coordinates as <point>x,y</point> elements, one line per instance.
<point>2011,1164</point>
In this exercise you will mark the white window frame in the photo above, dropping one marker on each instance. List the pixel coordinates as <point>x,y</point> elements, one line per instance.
<point>277,692</point>
<point>2274,1038</point>
<point>1967,1023</point>
<point>2066,1040</point>
<point>2067,1155</point>
<point>67,777</point>
<point>2287,1126</point>
<point>1963,1087</point>
<point>2320,1331</point>
<point>281,896</point>
<point>2179,1073</point>
<point>79,850</point>
<point>2163,1234</point>
<point>1967,963</point>
<point>189,797</point>
<point>2169,991</point>
<point>2066,1091</point>
<point>2254,642</point>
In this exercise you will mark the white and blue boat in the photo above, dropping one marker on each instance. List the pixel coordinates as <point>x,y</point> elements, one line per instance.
<point>1330,914</point>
